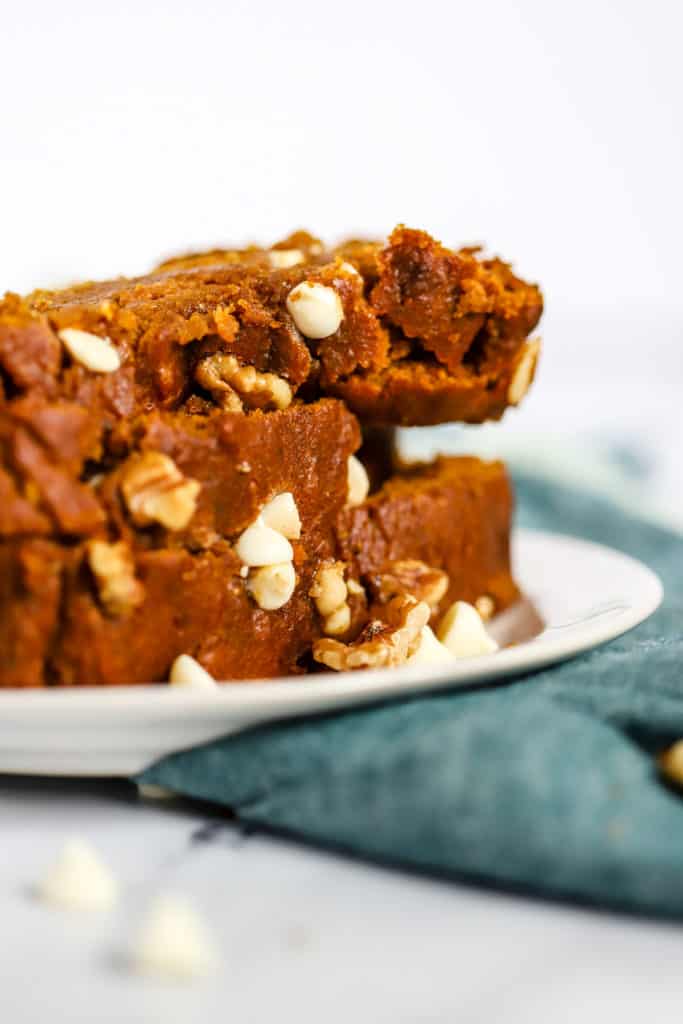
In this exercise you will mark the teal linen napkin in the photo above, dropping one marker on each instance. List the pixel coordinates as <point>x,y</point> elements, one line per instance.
<point>546,784</point>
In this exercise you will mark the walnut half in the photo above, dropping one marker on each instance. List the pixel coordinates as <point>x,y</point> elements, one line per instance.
<point>413,577</point>
<point>383,642</point>
<point>155,491</point>
<point>233,386</point>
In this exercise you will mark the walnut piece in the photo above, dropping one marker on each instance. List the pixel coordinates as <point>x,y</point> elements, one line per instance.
<point>413,577</point>
<point>113,568</point>
<point>384,642</point>
<point>234,386</point>
<point>155,491</point>
<point>329,592</point>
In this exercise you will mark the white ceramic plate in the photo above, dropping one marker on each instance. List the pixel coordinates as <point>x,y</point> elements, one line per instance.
<point>578,595</point>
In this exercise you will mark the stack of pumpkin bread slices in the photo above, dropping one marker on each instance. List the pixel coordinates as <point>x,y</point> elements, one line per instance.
<point>196,467</point>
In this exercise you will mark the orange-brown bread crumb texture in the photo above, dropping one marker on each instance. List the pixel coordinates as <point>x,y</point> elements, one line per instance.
<point>428,334</point>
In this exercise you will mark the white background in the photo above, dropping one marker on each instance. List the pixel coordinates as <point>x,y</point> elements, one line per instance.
<point>552,133</point>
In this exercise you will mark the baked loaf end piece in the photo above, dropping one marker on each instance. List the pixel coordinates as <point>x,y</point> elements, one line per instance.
<point>454,514</point>
<point>121,550</point>
<point>406,332</point>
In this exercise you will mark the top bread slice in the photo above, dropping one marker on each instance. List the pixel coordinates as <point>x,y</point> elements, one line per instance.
<point>405,332</point>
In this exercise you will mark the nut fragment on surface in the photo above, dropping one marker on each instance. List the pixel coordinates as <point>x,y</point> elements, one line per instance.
<point>186,671</point>
<point>281,514</point>
<point>524,372</point>
<point>670,763</point>
<point>358,482</point>
<point>430,650</point>
<point>316,309</point>
<point>113,568</point>
<point>410,576</point>
<point>95,353</point>
<point>463,632</point>
<point>384,642</point>
<point>234,386</point>
<point>272,586</point>
<point>280,259</point>
<point>261,545</point>
<point>155,491</point>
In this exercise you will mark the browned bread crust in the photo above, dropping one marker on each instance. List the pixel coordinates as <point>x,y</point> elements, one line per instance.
<point>427,334</point>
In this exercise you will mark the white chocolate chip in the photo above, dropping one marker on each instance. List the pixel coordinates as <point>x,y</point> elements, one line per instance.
<point>358,482</point>
<point>430,651</point>
<point>348,268</point>
<point>186,671</point>
<point>354,588</point>
<point>272,586</point>
<point>79,880</point>
<point>173,942</point>
<point>316,309</point>
<point>261,545</point>
<point>281,514</point>
<point>280,259</point>
<point>463,632</point>
<point>524,371</point>
<point>95,353</point>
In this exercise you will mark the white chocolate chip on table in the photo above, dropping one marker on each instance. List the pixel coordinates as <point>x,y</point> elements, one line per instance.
<point>272,586</point>
<point>464,633</point>
<point>95,353</point>
<point>79,880</point>
<point>186,671</point>
<point>358,482</point>
<point>173,942</point>
<point>316,309</point>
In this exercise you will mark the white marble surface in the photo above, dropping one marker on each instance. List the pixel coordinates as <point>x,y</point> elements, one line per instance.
<point>308,936</point>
